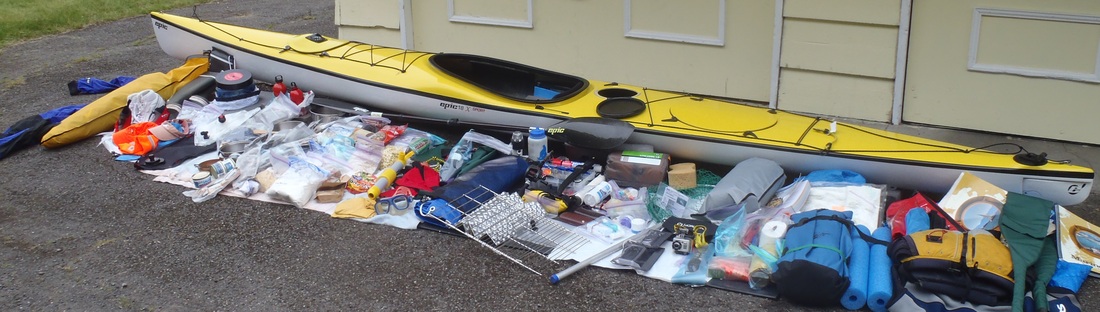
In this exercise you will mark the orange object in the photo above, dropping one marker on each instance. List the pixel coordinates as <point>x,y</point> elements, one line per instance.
<point>136,139</point>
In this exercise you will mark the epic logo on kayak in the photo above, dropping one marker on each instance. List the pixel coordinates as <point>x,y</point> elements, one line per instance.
<point>460,107</point>
<point>555,130</point>
<point>1074,188</point>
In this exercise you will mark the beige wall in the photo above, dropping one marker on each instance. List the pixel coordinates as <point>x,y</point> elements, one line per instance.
<point>1034,72</point>
<point>729,51</point>
<point>373,21</point>
<point>838,59</point>
<point>1028,73</point>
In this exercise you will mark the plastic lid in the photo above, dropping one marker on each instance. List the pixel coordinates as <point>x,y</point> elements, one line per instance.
<point>538,133</point>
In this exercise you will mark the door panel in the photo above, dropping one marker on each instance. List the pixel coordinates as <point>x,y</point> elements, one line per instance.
<point>714,47</point>
<point>1019,67</point>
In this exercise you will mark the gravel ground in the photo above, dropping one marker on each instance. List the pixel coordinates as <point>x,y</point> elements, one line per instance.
<point>79,231</point>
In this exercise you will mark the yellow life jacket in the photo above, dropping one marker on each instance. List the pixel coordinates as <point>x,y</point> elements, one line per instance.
<point>971,266</point>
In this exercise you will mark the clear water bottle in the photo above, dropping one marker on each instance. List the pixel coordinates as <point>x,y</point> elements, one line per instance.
<point>536,144</point>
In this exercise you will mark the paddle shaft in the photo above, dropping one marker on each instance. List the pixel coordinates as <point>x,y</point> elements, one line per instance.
<point>557,277</point>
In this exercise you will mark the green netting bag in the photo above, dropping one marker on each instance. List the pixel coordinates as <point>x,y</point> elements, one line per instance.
<point>705,181</point>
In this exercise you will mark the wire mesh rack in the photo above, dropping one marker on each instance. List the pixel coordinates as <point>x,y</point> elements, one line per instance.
<point>512,228</point>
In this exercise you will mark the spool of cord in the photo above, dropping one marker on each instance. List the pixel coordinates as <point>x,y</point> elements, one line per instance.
<point>858,270</point>
<point>879,285</point>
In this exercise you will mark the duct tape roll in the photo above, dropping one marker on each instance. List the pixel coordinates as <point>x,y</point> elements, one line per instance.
<point>234,79</point>
<point>774,229</point>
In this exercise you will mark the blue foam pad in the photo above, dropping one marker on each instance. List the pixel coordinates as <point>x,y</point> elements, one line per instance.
<point>858,268</point>
<point>880,287</point>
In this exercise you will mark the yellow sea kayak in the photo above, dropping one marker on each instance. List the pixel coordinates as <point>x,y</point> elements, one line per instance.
<point>689,127</point>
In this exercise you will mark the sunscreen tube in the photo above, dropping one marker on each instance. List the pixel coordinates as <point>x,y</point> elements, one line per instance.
<point>597,194</point>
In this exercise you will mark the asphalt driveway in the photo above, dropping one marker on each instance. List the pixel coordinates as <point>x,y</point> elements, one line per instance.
<point>80,231</point>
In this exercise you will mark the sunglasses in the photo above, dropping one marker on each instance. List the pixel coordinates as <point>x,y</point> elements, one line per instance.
<point>395,205</point>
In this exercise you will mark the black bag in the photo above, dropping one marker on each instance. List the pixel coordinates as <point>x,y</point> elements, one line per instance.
<point>813,268</point>
<point>912,297</point>
<point>975,267</point>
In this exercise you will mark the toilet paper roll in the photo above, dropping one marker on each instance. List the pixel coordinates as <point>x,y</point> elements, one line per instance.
<point>774,229</point>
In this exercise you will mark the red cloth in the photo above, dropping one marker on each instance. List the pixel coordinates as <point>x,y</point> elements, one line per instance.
<point>896,212</point>
<point>419,177</point>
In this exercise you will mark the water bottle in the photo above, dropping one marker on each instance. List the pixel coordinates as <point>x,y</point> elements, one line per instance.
<point>536,144</point>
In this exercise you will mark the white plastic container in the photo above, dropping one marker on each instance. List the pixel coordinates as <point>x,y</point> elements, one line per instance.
<point>536,144</point>
<point>597,194</point>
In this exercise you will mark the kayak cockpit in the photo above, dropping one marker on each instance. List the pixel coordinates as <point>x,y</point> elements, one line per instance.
<point>508,79</point>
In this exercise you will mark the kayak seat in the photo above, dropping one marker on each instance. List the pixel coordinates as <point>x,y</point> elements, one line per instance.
<point>508,79</point>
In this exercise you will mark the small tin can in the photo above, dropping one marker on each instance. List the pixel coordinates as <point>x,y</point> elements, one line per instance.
<point>201,179</point>
<point>222,167</point>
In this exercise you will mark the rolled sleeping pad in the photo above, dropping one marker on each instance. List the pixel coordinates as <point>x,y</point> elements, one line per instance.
<point>880,287</point>
<point>202,86</point>
<point>858,269</point>
<point>916,220</point>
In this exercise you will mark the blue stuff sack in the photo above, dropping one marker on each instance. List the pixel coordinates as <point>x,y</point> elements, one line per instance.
<point>1070,275</point>
<point>813,268</point>
<point>438,212</point>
